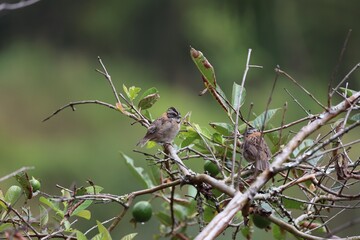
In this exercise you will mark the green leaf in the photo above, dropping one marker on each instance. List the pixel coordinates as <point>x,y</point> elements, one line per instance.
<point>138,172</point>
<point>238,96</point>
<point>86,214</point>
<point>151,144</point>
<point>44,216</point>
<point>355,118</point>
<point>348,92</point>
<point>164,218</point>
<point>53,205</point>
<point>148,115</point>
<point>97,237</point>
<point>181,212</point>
<point>225,129</point>
<point>126,91</point>
<point>81,207</point>
<point>208,74</point>
<point>278,232</point>
<point>247,232</point>
<point>306,144</point>
<point>133,92</point>
<point>5,226</point>
<point>314,160</point>
<point>292,204</point>
<point>275,138</point>
<point>13,194</point>
<point>103,231</point>
<point>67,224</point>
<point>203,131</point>
<point>149,92</point>
<point>94,189</point>
<point>155,174</point>
<point>209,214</point>
<point>23,179</point>
<point>130,236</point>
<point>187,141</point>
<point>259,120</point>
<point>2,205</point>
<point>80,236</point>
<point>204,66</point>
<point>302,147</point>
<point>217,138</point>
<point>148,101</point>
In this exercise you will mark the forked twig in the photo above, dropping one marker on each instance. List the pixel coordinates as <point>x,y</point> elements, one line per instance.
<point>296,101</point>
<point>108,77</point>
<point>302,88</point>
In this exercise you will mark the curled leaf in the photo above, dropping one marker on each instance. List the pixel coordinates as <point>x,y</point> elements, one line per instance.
<point>148,101</point>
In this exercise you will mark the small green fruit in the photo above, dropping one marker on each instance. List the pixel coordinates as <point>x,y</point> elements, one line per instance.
<point>261,221</point>
<point>142,211</point>
<point>211,168</point>
<point>35,184</point>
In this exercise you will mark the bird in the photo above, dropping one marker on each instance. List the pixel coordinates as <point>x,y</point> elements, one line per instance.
<point>255,149</point>
<point>164,129</point>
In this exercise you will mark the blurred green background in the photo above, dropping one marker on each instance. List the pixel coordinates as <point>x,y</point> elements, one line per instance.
<point>48,53</point>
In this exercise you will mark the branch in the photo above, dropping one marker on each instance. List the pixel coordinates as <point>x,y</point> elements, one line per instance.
<point>223,219</point>
<point>72,104</point>
<point>23,169</point>
<point>14,6</point>
<point>237,111</point>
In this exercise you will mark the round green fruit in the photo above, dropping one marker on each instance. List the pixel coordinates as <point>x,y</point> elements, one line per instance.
<point>211,168</point>
<point>35,184</point>
<point>142,211</point>
<point>261,221</point>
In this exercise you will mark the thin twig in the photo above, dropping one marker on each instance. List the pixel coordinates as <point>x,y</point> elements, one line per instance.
<point>72,104</point>
<point>346,77</point>
<point>306,91</point>
<point>295,100</point>
<point>336,69</point>
<point>268,103</point>
<point>23,169</point>
<point>221,221</point>
<point>172,209</point>
<point>282,124</point>
<point>237,110</point>
<point>108,77</point>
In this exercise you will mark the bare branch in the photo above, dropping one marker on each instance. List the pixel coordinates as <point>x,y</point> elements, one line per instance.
<point>108,77</point>
<point>14,6</point>
<point>302,88</point>
<point>23,169</point>
<point>223,219</point>
<point>72,104</point>
<point>237,111</point>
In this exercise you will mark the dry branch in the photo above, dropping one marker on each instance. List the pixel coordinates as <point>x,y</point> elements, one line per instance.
<point>223,219</point>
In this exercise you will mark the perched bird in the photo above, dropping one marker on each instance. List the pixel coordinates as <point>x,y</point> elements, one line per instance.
<point>164,129</point>
<point>255,149</point>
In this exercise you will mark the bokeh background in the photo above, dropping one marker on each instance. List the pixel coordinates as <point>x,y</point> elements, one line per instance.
<point>48,53</point>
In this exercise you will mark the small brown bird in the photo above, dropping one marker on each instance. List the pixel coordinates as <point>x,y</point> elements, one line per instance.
<point>164,129</point>
<point>256,150</point>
